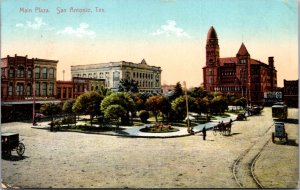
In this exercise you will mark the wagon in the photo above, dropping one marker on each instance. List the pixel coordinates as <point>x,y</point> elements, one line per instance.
<point>10,142</point>
<point>241,117</point>
<point>223,128</point>
<point>279,132</point>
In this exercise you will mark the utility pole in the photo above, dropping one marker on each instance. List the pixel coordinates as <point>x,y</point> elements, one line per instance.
<point>187,106</point>
<point>63,75</point>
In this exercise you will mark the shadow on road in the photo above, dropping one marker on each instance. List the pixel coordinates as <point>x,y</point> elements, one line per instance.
<point>292,121</point>
<point>290,142</point>
<point>14,158</point>
<point>232,134</point>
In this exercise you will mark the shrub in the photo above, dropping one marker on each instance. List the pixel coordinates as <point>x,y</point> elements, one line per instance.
<point>144,116</point>
<point>68,120</point>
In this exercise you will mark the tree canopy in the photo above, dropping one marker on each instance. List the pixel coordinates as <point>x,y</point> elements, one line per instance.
<point>128,85</point>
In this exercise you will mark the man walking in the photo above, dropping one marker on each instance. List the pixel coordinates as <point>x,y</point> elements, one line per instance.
<point>204,133</point>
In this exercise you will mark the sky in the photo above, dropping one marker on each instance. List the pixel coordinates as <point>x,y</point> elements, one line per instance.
<point>170,34</point>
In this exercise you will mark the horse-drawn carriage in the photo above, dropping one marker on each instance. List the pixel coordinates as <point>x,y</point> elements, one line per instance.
<point>254,110</point>
<point>223,128</point>
<point>241,117</point>
<point>9,142</point>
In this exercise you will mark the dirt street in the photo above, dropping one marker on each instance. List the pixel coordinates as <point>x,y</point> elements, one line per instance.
<point>65,159</point>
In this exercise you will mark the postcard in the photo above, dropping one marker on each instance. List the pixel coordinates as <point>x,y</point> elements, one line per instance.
<point>149,94</point>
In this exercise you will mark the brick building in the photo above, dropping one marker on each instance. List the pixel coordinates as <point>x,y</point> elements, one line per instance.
<point>77,86</point>
<point>19,77</point>
<point>240,75</point>
<point>290,92</point>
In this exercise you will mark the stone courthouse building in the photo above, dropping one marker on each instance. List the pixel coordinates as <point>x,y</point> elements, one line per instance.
<point>148,77</point>
<point>240,75</point>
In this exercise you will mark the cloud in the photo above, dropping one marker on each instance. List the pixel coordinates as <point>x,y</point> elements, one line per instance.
<point>170,29</point>
<point>80,31</point>
<point>37,24</point>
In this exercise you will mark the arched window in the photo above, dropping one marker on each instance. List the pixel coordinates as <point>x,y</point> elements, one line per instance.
<point>37,89</point>
<point>20,71</point>
<point>20,89</point>
<point>11,72</point>
<point>51,73</point>
<point>29,73</point>
<point>28,90</point>
<point>44,89</point>
<point>51,89</point>
<point>44,73</point>
<point>37,72</point>
<point>10,89</point>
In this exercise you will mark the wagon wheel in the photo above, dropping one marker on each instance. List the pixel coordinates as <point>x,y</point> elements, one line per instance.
<point>21,149</point>
<point>224,132</point>
<point>273,137</point>
<point>215,131</point>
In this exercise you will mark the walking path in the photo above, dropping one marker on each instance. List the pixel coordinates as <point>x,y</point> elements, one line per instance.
<point>135,131</point>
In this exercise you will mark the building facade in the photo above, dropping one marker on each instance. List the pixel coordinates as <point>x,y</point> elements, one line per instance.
<point>240,75</point>
<point>26,81</point>
<point>290,91</point>
<point>148,77</point>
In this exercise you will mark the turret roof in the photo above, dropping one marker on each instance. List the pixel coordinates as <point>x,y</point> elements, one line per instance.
<point>212,34</point>
<point>243,50</point>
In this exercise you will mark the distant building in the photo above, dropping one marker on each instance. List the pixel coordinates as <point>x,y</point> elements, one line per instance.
<point>290,91</point>
<point>82,85</point>
<point>148,77</point>
<point>19,77</point>
<point>167,88</point>
<point>77,86</point>
<point>240,75</point>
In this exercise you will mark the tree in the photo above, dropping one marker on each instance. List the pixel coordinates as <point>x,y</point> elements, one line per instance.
<point>218,105</point>
<point>128,85</point>
<point>119,98</point>
<point>197,92</point>
<point>144,116</point>
<point>177,92</point>
<point>115,112</point>
<point>67,109</point>
<point>179,106</point>
<point>103,91</point>
<point>154,104</point>
<point>88,103</point>
<point>50,109</point>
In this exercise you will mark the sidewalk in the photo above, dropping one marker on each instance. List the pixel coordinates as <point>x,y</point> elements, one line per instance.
<point>135,131</point>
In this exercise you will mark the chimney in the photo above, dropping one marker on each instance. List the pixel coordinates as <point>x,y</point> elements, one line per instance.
<point>271,62</point>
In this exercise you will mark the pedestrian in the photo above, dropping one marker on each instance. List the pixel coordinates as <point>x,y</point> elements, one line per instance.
<point>204,133</point>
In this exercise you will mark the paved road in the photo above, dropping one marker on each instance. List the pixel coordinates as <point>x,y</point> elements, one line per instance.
<point>65,159</point>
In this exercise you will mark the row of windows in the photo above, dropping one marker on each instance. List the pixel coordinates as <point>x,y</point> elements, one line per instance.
<point>65,92</point>
<point>227,88</point>
<point>93,75</point>
<point>43,73</point>
<point>142,75</point>
<point>43,89</point>
<point>20,72</point>
<point>38,87</point>
<point>228,73</point>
